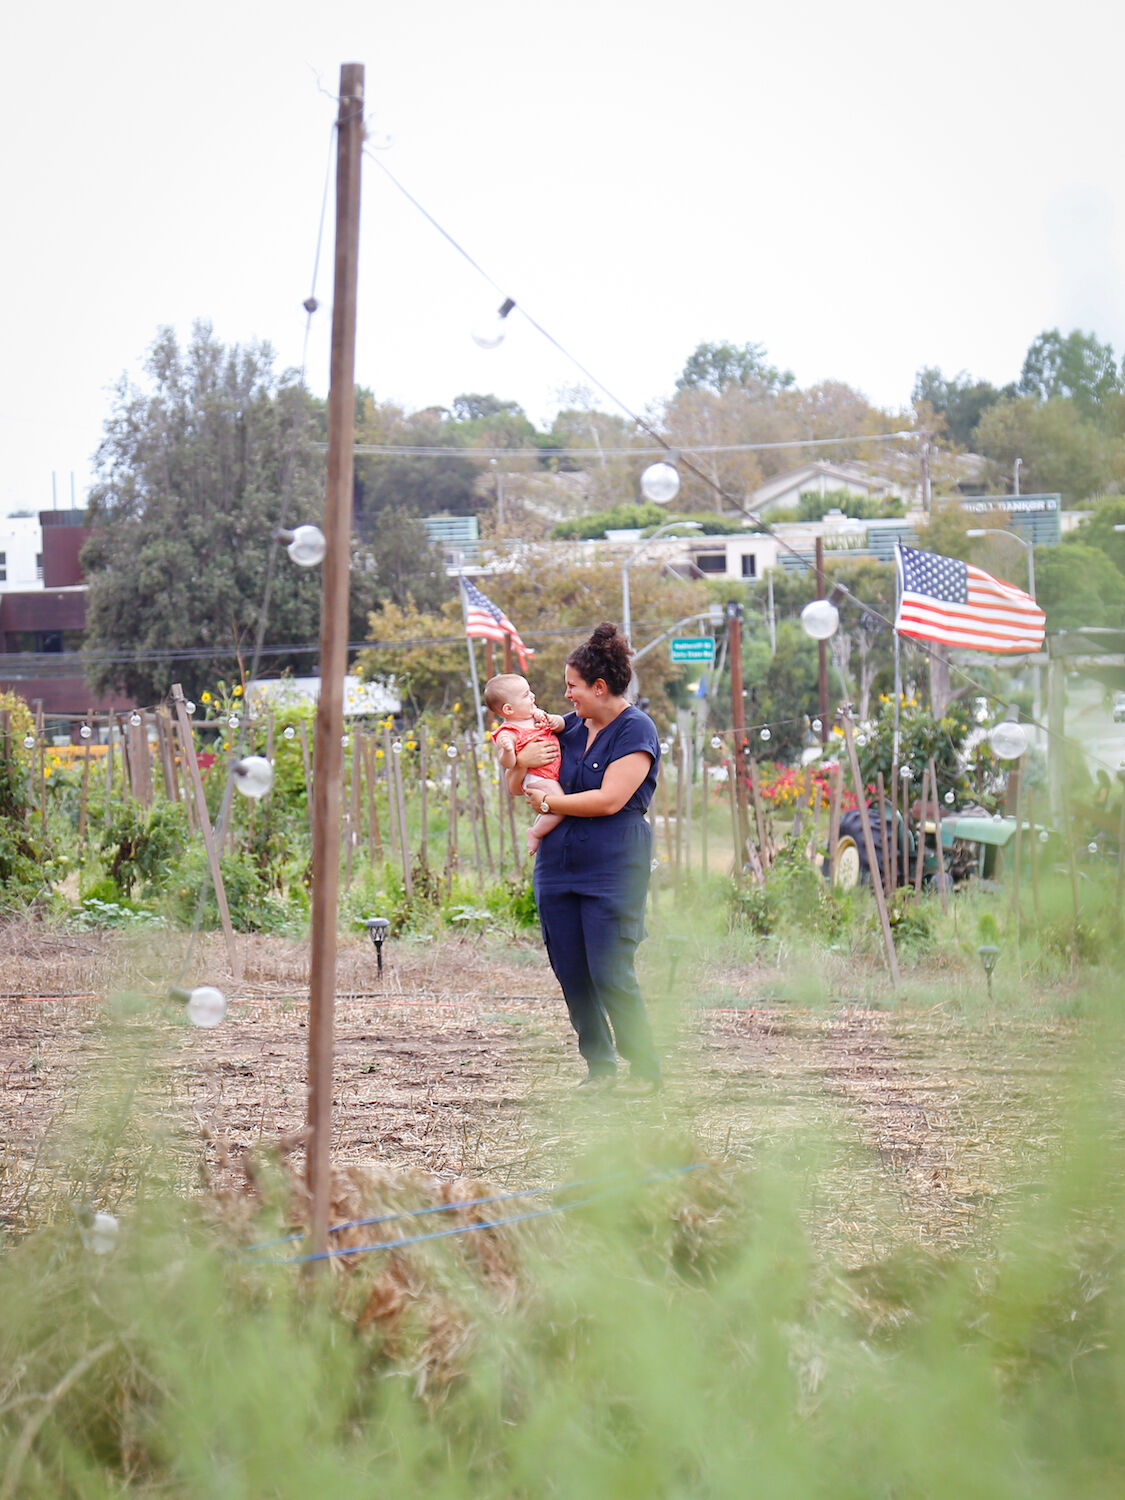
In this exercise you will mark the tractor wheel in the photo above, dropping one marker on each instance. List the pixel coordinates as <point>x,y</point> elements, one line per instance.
<point>846,871</point>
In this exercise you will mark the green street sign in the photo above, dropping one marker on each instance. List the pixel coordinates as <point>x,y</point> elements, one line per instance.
<point>693,648</point>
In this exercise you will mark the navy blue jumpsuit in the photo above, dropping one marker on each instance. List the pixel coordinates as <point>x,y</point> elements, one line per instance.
<point>591,881</point>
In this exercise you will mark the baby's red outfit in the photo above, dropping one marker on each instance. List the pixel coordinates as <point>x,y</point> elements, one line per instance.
<point>549,772</point>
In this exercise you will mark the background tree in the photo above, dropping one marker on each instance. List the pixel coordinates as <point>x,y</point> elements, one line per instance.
<point>192,472</point>
<point>960,402</point>
<point>714,367</point>
<point>1060,449</point>
<point>1077,584</point>
<point>1076,365</point>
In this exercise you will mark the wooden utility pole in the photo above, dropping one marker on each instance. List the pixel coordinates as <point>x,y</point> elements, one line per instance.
<point>328,747</point>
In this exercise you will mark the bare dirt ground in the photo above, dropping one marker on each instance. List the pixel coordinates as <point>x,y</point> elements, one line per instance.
<point>915,1127</point>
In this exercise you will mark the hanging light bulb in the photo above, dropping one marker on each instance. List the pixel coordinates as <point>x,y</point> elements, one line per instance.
<point>289,733</point>
<point>206,1006</point>
<point>85,732</point>
<point>306,545</point>
<point>820,618</point>
<point>345,740</point>
<point>660,482</point>
<point>190,706</point>
<point>135,720</point>
<point>99,1231</point>
<point>451,752</point>
<point>29,742</point>
<point>817,726</point>
<point>906,773</point>
<point>232,722</point>
<point>716,742</point>
<point>764,734</point>
<point>253,776</point>
<point>861,740</point>
<point>1008,740</point>
<point>490,333</point>
<point>1091,847</point>
<point>396,747</point>
<point>949,799</point>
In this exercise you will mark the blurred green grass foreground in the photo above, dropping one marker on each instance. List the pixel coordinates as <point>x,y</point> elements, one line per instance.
<point>677,1336</point>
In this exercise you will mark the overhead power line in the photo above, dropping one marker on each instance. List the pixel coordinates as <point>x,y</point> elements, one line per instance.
<point>407,450</point>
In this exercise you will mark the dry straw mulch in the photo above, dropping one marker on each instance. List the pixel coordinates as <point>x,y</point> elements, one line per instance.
<point>460,1065</point>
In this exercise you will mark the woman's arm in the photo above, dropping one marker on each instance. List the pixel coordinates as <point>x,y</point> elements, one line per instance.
<point>622,778</point>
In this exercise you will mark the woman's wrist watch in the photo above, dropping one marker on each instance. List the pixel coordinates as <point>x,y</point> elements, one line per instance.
<point>544,806</point>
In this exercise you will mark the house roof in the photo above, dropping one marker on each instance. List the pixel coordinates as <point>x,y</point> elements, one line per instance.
<point>850,475</point>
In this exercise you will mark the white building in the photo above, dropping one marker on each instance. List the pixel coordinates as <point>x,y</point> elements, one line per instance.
<point>21,553</point>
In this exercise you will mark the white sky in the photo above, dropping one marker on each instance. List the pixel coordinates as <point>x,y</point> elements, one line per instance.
<point>864,189</point>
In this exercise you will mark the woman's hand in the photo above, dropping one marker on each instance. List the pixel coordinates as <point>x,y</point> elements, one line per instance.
<point>536,753</point>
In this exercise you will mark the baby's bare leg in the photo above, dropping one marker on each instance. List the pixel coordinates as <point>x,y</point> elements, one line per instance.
<point>545,822</point>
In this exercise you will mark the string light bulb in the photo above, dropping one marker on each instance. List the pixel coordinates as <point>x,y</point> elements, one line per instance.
<point>660,482</point>
<point>29,742</point>
<point>135,719</point>
<point>253,776</point>
<point>490,333</point>
<point>306,545</point>
<point>289,733</point>
<point>206,1006</point>
<point>85,732</point>
<point>1008,740</point>
<point>99,1231</point>
<point>820,619</point>
<point>765,734</point>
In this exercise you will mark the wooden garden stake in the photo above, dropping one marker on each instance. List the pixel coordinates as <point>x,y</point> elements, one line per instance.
<point>738,855</point>
<point>1034,835</point>
<point>759,814</point>
<point>392,800</point>
<point>451,839</point>
<point>424,788</point>
<point>938,850</point>
<point>679,809</point>
<point>404,837</point>
<point>374,833</point>
<point>921,850</point>
<point>40,740</point>
<point>85,798</point>
<point>108,766</point>
<point>302,730</point>
<point>269,735</point>
<point>869,846</point>
<point>481,810</point>
<point>880,792</point>
<point>1018,866</point>
<point>703,811</point>
<point>1071,865</point>
<point>205,825</point>
<point>896,828</point>
<point>663,783</point>
<point>354,806</point>
<point>1121,843</point>
<point>834,797</point>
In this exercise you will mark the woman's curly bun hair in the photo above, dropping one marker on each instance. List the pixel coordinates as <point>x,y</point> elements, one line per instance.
<point>608,655</point>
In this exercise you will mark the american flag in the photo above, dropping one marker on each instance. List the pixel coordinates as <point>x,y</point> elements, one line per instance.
<point>943,599</point>
<point>488,620</point>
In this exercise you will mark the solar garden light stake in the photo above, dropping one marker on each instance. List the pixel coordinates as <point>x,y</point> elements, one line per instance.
<point>378,927</point>
<point>988,953</point>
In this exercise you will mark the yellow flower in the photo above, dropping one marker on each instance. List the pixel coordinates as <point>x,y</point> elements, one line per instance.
<point>238,690</point>
<point>411,745</point>
<point>456,708</point>
<point>205,697</point>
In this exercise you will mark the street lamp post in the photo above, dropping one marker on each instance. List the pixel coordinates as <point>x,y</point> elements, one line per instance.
<point>626,614</point>
<point>1029,547</point>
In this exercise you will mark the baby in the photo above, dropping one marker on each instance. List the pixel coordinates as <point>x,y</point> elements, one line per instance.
<point>511,699</point>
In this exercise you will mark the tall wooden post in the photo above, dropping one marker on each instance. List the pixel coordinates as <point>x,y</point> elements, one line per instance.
<point>328,748</point>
